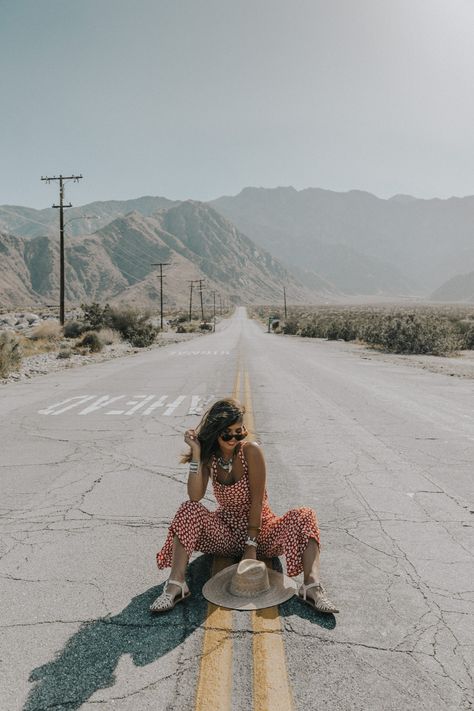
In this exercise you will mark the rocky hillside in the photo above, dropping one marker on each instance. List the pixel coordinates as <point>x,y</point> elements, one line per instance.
<point>27,222</point>
<point>116,262</point>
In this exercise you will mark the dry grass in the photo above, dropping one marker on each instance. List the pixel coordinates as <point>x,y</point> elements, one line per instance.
<point>10,354</point>
<point>31,347</point>
<point>108,336</point>
<point>48,330</point>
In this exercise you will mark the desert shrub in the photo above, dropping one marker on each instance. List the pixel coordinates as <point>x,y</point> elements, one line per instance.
<point>424,334</point>
<point>48,330</point>
<point>290,327</point>
<point>10,353</point>
<point>109,336</point>
<point>187,327</point>
<point>64,353</point>
<point>91,340</point>
<point>133,326</point>
<point>96,316</point>
<point>421,329</point>
<point>466,331</point>
<point>73,329</point>
<point>143,336</point>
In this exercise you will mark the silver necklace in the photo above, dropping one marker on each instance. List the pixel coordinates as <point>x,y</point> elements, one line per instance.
<point>225,464</point>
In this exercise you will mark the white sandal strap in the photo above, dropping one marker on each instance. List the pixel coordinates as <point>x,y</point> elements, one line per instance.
<point>304,588</point>
<point>183,586</point>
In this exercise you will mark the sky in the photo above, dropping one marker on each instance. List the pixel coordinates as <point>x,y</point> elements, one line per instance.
<point>201,98</point>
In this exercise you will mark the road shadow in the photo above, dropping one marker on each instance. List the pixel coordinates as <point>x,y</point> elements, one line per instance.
<point>90,657</point>
<point>88,661</point>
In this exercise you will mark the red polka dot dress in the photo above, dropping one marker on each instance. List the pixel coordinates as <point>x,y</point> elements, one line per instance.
<point>224,531</point>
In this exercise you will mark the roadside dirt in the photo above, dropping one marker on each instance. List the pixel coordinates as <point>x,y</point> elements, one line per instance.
<point>45,363</point>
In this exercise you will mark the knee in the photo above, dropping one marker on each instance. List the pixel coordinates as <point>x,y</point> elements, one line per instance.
<point>305,517</point>
<point>308,514</point>
<point>304,514</point>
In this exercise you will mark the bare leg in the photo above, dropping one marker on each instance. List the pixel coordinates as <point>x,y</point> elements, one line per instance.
<point>173,593</point>
<point>178,565</point>
<point>311,575</point>
<point>311,562</point>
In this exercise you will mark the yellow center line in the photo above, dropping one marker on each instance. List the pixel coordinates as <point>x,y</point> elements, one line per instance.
<point>214,688</point>
<point>215,674</point>
<point>271,686</point>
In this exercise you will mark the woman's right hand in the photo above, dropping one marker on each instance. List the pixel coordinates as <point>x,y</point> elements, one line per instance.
<point>191,439</point>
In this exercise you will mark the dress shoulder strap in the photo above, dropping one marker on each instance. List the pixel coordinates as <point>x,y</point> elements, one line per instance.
<point>242,455</point>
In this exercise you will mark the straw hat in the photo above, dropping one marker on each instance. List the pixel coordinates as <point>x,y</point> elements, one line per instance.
<point>248,585</point>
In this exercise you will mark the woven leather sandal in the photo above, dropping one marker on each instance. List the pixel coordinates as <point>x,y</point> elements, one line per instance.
<point>322,603</point>
<point>166,601</point>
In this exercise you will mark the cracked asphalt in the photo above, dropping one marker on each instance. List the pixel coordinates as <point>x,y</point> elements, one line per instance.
<point>384,454</point>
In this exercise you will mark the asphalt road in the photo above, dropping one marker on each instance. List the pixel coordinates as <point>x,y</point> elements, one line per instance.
<point>89,480</point>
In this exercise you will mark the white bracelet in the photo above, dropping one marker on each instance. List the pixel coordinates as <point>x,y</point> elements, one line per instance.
<point>193,467</point>
<point>251,542</point>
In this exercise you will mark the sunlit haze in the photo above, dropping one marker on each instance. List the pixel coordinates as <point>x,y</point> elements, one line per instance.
<point>200,99</point>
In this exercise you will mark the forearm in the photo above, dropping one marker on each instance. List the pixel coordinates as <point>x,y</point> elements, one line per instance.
<point>196,480</point>
<point>253,530</point>
<point>255,519</point>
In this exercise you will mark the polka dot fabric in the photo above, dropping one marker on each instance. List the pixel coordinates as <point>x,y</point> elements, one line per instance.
<point>224,531</point>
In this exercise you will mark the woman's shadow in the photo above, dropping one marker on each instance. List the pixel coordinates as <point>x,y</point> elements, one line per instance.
<point>90,657</point>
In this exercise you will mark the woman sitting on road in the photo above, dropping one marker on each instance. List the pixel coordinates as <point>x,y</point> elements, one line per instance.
<point>243,524</point>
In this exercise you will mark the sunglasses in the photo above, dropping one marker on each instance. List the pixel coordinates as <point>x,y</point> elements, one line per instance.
<point>239,437</point>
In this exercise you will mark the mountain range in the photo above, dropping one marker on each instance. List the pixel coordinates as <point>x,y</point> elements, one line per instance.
<point>323,245</point>
<point>118,261</point>
<point>361,243</point>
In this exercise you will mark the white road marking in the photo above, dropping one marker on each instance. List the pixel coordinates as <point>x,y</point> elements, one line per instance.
<point>101,402</point>
<point>196,353</point>
<point>139,404</point>
<point>159,403</point>
<point>198,404</point>
<point>173,405</point>
<point>78,400</point>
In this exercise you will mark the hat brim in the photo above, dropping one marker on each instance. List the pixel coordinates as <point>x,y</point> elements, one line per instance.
<point>216,590</point>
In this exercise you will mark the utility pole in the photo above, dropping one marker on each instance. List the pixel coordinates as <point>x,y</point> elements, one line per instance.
<point>62,179</point>
<point>161,265</point>
<point>284,300</point>
<point>200,291</point>
<point>191,283</point>
<point>214,303</point>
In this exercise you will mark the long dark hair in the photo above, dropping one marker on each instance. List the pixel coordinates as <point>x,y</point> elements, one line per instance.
<point>221,415</point>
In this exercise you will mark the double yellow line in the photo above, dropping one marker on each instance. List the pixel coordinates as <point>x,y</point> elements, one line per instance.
<point>271,687</point>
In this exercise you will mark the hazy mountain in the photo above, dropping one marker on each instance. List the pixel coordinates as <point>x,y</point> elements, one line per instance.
<point>458,288</point>
<point>116,262</point>
<point>357,241</point>
<point>353,242</point>
<point>27,222</point>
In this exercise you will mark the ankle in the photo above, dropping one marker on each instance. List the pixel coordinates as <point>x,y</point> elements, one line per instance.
<point>311,579</point>
<point>177,578</point>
